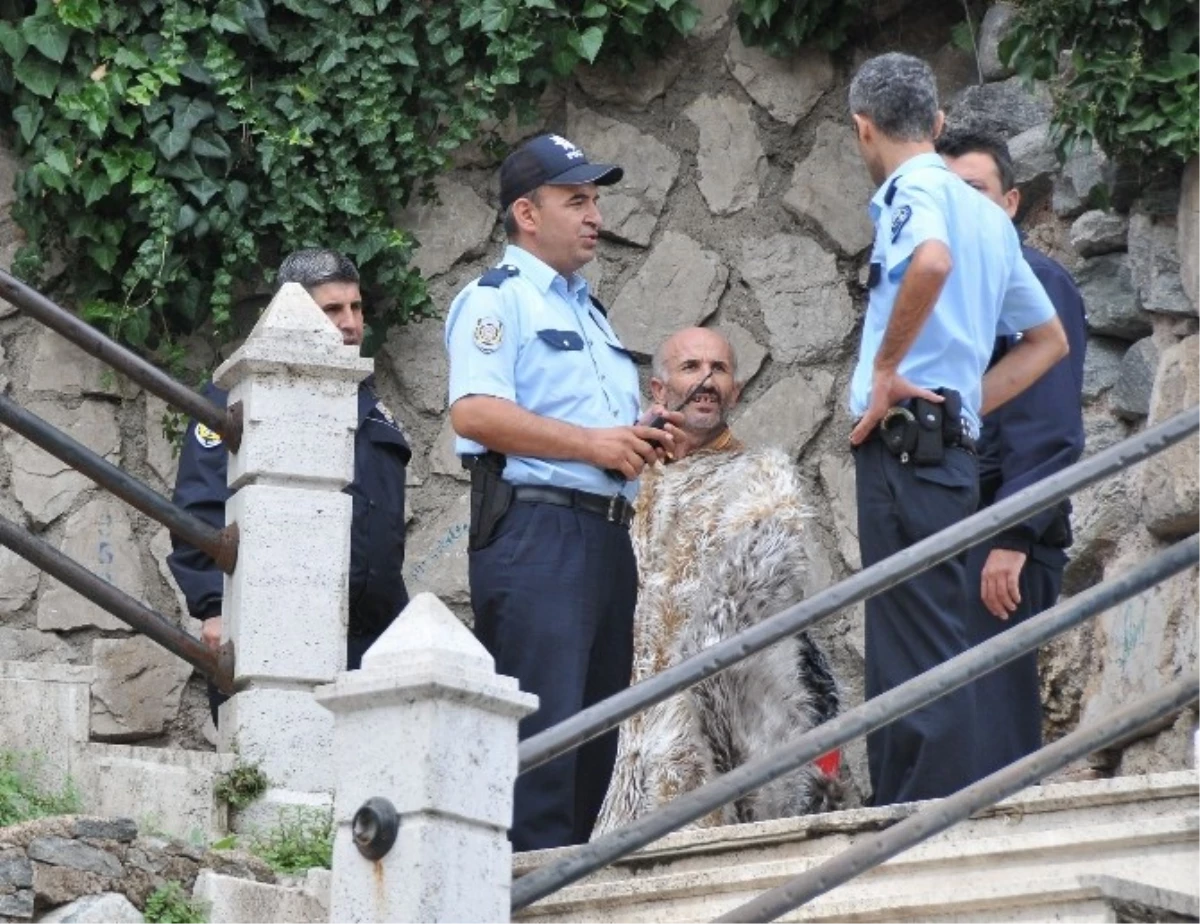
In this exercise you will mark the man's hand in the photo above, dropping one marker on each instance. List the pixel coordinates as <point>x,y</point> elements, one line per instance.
<point>672,422</point>
<point>628,450</point>
<point>210,632</point>
<point>1000,585</point>
<point>887,390</point>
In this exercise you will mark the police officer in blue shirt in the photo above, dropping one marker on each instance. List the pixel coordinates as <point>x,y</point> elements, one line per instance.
<point>1018,573</point>
<point>377,592</point>
<point>544,400</point>
<point>946,274</point>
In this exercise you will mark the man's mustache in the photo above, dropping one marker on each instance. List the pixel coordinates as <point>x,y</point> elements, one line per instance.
<point>706,390</point>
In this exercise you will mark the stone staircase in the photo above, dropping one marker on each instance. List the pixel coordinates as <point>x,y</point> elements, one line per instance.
<point>1120,849</point>
<point>46,709</point>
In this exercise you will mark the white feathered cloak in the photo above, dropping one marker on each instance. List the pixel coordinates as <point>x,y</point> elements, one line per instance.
<point>720,544</point>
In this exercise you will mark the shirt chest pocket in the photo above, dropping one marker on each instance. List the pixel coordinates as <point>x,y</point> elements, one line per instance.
<point>564,340</point>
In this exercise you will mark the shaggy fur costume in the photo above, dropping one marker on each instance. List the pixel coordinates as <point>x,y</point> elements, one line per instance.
<point>720,543</point>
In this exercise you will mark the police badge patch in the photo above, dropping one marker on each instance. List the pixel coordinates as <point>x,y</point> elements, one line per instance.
<point>207,438</point>
<point>489,334</point>
<point>899,220</point>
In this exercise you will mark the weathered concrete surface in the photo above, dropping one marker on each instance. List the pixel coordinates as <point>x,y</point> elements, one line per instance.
<point>416,356</point>
<point>731,159</point>
<point>789,89</point>
<point>1170,495</point>
<point>436,555</point>
<point>455,225</point>
<point>992,867</point>
<point>18,583</point>
<point>110,907</point>
<point>46,709</point>
<point>100,537</point>
<point>788,414</point>
<point>137,690</point>
<point>829,185</point>
<point>62,368</point>
<point>678,273</point>
<point>45,486</point>
<point>808,312</point>
<point>230,899</point>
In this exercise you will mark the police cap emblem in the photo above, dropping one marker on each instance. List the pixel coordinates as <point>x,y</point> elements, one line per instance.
<point>489,334</point>
<point>207,438</point>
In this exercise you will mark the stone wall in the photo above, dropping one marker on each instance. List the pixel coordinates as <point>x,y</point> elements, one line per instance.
<point>743,208</point>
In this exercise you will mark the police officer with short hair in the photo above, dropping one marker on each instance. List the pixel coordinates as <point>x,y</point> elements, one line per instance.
<point>946,275</point>
<point>1018,573</point>
<point>381,453</point>
<point>544,399</point>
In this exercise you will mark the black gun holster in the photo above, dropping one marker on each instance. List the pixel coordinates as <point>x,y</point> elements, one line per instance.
<point>921,433</point>
<point>491,496</point>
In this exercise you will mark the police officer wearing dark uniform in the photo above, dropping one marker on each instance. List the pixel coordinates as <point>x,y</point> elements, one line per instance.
<point>1018,573</point>
<point>377,591</point>
<point>946,275</point>
<point>545,400</point>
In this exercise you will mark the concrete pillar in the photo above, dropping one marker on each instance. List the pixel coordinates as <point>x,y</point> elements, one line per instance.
<point>428,725</point>
<point>286,603</point>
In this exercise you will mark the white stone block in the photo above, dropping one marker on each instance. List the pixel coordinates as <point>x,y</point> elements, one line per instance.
<point>286,731</point>
<point>287,601</point>
<point>439,870</point>
<point>44,711</point>
<point>277,806</point>
<point>164,790</point>
<point>295,429</point>
<point>231,899</point>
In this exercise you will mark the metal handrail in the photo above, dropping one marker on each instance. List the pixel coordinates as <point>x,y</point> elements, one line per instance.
<point>871,851</point>
<point>216,665</point>
<point>220,544</point>
<point>595,720</point>
<point>872,714</point>
<point>225,421</point>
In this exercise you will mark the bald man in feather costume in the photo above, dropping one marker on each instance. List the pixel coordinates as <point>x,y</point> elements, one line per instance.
<point>720,544</point>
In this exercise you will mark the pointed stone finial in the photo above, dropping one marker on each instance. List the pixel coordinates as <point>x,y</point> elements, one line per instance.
<point>426,627</point>
<point>292,311</point>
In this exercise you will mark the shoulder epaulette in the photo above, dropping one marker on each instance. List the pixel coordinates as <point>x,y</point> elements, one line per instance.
<point>496,276</point>
<point>891,192</point>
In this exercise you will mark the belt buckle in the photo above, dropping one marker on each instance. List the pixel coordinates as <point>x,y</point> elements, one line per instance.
<point>611,515</point>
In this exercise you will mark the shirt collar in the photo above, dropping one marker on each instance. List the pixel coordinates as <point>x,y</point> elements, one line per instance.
<point>917,162</point>
<point>542,275</point>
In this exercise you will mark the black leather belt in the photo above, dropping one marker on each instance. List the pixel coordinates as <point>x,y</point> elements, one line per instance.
<point>957,441</point>
<point>615,509</point>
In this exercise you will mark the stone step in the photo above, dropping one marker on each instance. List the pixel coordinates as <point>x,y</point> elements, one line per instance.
<point>1068,851</point>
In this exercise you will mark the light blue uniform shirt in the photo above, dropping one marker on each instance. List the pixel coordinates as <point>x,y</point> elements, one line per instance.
<point>990,290</point>
<point>537,340</point>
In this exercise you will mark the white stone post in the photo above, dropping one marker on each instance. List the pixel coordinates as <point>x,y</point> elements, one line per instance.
<point>286,603</point>
<point>428,725</point>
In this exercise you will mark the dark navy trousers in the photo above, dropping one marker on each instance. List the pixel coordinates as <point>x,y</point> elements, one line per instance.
<point>919,624</point>
<point>553,595</point>
<point>1010,696</point>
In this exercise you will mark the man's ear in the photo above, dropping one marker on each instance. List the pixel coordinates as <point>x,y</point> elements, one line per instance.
<point>658,390</point>
<point>862,127</point>
<point>525,214</point>
<point>939,122</point>
<point>1012,202</point>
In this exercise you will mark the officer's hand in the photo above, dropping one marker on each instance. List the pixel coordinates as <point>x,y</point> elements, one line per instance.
<point>888,389</point>
<point>627,450</point>
<point>210,632</point>
<point>1000,585</point>
<point>672,421</point>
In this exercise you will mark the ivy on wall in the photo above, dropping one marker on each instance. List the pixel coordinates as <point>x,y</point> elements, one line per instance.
<point>1132,85</point>
<point>781,27</point>
<point>174,148</point>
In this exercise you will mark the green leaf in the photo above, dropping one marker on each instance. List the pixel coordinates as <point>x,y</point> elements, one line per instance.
<point>48,35</point>
<point>684,17</point>
<point>203,190</point>
<point>594,10</point>
<point>223,23</point>
<point>37,75</point>
<point>28,119</point>
<point>60,161</point>
<point>80,14</point>
<point>212,146</point>
<point>104,254</point>
<point>186,218</point>
<point>452,54</point>
<point>117,164</point>
<point>407,56</point>
<point>236,193</point>
<point>142,183</point>
<point>496,15</point>
<point>543,5</point>
<point>190,112</point>
<point>587,43</point>
<point>12,41</point>
<point>1157,13</point>
<point>95,186</point>
<point>170,140</point>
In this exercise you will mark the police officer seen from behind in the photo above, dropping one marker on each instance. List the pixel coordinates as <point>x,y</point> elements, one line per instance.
<point>381,453</point>
<point>1017,574</point>
<point>946,273</point>
<point>544,400</point>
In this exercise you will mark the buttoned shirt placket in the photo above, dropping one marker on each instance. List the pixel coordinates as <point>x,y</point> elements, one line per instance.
<point>580,304</point>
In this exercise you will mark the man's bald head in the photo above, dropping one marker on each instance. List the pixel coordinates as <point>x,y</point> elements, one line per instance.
<point>683,360</point>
